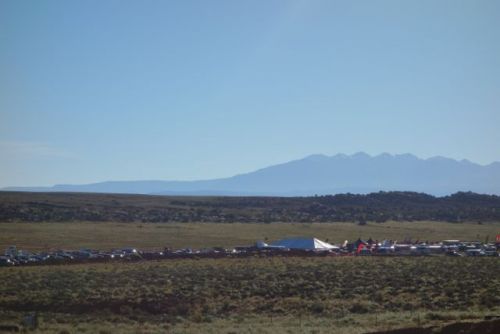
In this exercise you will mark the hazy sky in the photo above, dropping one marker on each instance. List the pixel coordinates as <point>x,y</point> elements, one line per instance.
<point>121,90</point>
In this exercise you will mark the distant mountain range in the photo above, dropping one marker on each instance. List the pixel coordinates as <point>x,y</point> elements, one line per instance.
<point>321,174</point>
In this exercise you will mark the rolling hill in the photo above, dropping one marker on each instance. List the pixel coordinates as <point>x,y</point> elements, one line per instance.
<point>379,207</point>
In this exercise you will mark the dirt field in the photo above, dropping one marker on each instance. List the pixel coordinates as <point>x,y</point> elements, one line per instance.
<point>102,235</point>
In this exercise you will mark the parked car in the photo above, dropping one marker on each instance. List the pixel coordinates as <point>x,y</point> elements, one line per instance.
<point>6,262</point>
<point>475,252</point>
<point>453,253</point>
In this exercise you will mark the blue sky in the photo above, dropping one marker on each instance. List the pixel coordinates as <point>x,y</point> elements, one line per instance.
<point>176,90</point>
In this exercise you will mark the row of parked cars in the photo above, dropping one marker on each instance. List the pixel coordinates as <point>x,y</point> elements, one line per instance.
<point>472,249</point>
<point>15,257</point>
<point>446,247</point>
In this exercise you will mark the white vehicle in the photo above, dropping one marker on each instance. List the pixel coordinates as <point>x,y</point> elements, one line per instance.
<point>386,247</point>
<point>475,252</point>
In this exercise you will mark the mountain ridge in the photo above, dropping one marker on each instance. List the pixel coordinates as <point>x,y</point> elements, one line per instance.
<point>321,174</point>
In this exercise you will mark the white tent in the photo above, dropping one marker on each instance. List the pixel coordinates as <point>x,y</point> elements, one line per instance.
<point>305,244</point>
